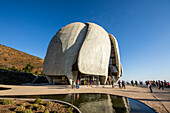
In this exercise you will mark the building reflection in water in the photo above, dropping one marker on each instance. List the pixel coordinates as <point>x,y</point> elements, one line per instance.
<point>99,103</point>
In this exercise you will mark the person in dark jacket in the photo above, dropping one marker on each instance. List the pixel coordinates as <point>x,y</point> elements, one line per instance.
<point>123,84</point>
<point>150,87</point>
<point>119,84</point>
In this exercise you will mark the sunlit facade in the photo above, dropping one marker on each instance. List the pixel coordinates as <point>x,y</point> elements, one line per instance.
<point>85,52</point>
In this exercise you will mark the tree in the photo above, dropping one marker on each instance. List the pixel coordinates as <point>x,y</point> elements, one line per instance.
<point>36,72</point>
<point>41,73</point>
<point>14,68</point>
<point>28,68</point>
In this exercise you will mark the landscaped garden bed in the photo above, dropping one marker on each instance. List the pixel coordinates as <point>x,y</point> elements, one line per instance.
<point>34,106</point>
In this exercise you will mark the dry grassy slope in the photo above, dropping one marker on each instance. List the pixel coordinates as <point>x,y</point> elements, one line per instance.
<point>11,57</point>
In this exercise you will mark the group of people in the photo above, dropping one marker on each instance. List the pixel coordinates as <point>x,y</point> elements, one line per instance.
<point>159,84</point>
<point>77,85</point>
<point>136,82</point>
<point>122,84</point>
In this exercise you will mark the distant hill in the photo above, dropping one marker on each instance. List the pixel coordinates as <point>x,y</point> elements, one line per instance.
<point>11,57</point>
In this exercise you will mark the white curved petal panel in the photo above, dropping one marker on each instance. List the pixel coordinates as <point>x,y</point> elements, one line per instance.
<point>95,52</point>
<point>63,50</point>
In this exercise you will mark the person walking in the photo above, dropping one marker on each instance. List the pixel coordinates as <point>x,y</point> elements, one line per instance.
<point>150,87</point>
<point>123,84</point>
<point>136,82</point>
<point>159,84</point>
<point>119,84</point>
<point>112,82</point>
<point>132,83</point>
<point>78,82</point>
<point>162,84</point>
<point>72,83</point>
<point>90,82</point>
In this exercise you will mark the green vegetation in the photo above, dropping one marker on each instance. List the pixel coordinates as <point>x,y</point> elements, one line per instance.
<point>36,72</point>
<point>49,104</point>
<point>12,112</point>
<point>30,107</point>
<point>18,78</point>
<point>46,111</point>
<point>23,104</point>
<point>66,106</point>
<point>11,69</point>
<point>33,106</point>
<point>41,108</point>
<point>1,100</point>
<point>20,108</point>
<point>14,68</point>
<point>6,102</point>
<point>71,108</point>
<point>38,101</point>
<point>28,111</point>
<point>28,68</point>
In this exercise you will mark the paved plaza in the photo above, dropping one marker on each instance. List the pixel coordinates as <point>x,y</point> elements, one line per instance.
<point>158,100</point>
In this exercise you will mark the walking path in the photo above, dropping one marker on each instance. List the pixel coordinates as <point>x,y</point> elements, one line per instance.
<point>158,100</point>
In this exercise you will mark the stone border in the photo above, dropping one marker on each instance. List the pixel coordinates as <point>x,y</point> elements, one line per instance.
<point>145,105</point>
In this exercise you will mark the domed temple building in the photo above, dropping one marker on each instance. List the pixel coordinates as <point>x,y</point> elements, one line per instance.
<point>83,51</point>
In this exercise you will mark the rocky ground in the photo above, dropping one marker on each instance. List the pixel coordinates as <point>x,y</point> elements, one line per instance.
<point>20,106</point>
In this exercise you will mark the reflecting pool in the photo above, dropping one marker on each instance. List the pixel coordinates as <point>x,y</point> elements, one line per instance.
<point>98,103</point>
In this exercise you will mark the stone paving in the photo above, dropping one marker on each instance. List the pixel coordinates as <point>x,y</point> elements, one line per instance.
<point>158,100</point>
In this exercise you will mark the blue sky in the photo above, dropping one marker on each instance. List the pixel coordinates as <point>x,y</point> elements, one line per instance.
<point>142,28</point>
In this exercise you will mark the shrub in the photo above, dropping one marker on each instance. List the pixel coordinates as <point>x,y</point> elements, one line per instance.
<point>6,102</point>
<point>36,72</point>
<point>1,100</point>
<point>23,104</point>
<point>30,107</point>
<point>63,110</point>
<point>28,111</point>
<point>41,108</point>
<point>33,105</point>
<point>38,101</point>
<point>13,68</point>
<point>46,111</point>
<point>65,106</point>
<point>20,108</point>
<point>71,108</point>
<point>49,104</point>
<point>56,107</point>
<point>28,68</point>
